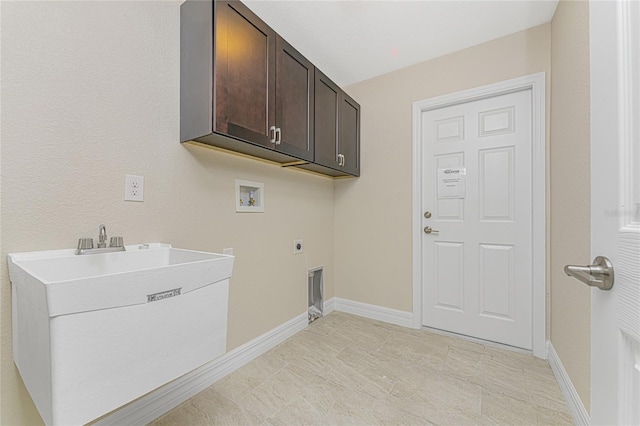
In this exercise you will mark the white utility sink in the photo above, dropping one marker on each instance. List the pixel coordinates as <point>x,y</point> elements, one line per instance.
<point>94,332</point>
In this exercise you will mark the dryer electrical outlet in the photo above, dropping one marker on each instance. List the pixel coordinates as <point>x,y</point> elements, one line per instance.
<point>298,246</point>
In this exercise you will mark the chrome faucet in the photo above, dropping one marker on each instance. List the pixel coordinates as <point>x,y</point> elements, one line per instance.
<point>102,236</point>
<point>85,245</point>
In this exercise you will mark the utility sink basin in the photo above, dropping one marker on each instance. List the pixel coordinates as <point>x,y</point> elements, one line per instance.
<point>94,332</point>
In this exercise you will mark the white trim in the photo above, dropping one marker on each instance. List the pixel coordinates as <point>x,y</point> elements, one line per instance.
<point>328,306</point>
<point>375,312</point>
<point>576,407</point>
<point>535,83</point>
<point>164,399</point>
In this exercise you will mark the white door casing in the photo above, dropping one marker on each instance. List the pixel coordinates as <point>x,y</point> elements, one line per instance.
<point>477,267</point>
<point>530,91</point>
<point>615,209</point>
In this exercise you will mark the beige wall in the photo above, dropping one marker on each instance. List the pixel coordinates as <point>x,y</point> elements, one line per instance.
<point>373,240</point>
<point>570,190</point>
<point>90,92</point>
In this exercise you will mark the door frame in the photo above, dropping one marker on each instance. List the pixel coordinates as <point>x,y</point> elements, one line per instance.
<point>536,83</point>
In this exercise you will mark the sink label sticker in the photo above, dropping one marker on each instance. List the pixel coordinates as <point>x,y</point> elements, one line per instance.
<point>163,295</point>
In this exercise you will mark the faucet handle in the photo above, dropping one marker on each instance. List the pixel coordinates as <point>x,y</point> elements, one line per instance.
<point>84,244</point>
<point>116,242</point>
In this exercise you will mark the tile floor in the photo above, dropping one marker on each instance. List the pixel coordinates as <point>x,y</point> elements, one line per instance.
<point>348,370</point>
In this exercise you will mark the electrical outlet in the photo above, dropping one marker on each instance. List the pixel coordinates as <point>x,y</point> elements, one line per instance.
<point>133,188</point>
<point>298,246</point>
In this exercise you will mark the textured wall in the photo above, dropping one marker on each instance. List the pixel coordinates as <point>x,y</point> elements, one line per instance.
<point>373,239</point>
<point>90,92</point>
<point>570,191</point>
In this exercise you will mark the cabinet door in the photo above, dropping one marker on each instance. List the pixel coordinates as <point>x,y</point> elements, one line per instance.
<point>294,101</point>
<point>327,103</point>
<point>244,74</point>
<point>349,135</point>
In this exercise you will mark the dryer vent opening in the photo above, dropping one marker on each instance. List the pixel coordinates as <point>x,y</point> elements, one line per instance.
<point>315,294</point>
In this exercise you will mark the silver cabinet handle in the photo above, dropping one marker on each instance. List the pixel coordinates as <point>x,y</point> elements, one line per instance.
<point>600,274</point>
<point>340,160</point>
<point>272,134</point>
<point>429,230</point>
<point>278,136</point>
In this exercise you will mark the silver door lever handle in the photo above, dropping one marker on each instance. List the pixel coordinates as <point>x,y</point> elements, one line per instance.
<point>600,274</point>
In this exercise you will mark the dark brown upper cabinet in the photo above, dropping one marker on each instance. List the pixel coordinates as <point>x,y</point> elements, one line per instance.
<point>337,128</point>
<point>326,121</point>
<point>264,87</point>
<point>244,74</point>
<point>349,135</point>
<point>245,89</point>
<point>294,102</point>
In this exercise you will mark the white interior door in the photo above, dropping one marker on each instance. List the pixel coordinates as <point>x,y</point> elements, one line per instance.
<point>476,198</point>
<point>615,210</point>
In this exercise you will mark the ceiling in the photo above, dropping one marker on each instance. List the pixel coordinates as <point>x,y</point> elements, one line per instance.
<point>351,41</point>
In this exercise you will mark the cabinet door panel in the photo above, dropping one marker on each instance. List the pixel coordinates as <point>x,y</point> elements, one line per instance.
<point>327,103</point>
<point>245,73</point>
<point>349,137</point>
<point>294,101</point>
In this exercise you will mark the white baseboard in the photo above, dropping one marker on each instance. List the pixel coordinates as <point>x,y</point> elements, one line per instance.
<point>328,306</point>
<point>576,407</point>
<point>379,313</point>
<point>162,400</point>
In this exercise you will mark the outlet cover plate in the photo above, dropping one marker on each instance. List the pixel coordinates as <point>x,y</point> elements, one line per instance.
<point>298,246</point>
<point>133,188</point>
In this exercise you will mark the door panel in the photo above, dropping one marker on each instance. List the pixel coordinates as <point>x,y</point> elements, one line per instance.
<point>245,73</point>
<point>450,129</point>
<point>327,99</point>
<point>294,101</point>
<point>496,122</point>
<point>496,281</point>
<point>484,290</point>
<point>496,184</point>
<point>449,274</point>
<point>349,137</point>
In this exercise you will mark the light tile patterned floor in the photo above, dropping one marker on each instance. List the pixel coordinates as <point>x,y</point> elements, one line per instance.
<point>348,370</point>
